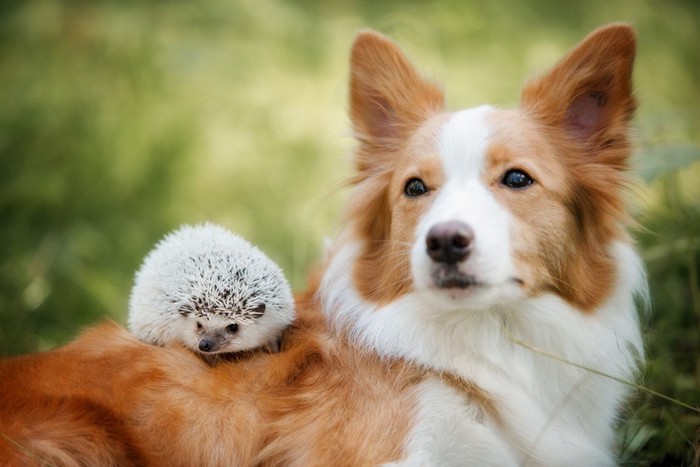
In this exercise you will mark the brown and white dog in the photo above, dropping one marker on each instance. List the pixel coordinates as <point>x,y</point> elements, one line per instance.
<point>477,244</point>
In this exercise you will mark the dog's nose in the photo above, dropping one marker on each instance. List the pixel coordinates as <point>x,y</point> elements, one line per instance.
<point>449,242</point>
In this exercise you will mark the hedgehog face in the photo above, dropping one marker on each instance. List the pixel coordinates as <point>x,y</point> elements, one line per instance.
<point>217,332</point>
<point>215,336</point>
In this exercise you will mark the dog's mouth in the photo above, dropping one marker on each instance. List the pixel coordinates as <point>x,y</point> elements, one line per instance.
<point>450,277</point>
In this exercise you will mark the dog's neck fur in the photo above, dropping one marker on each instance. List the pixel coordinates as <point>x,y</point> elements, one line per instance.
<point>518,353</point>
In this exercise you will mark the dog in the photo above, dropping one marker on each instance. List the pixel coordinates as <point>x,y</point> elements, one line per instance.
<point>482,268</point>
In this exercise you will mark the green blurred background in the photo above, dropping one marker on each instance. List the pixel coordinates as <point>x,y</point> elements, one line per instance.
<point>120,120</point>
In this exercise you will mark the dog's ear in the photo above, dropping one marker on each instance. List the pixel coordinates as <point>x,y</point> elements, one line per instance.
<point>585,104</point>
<point>388,97</point>
<point>589,92</point>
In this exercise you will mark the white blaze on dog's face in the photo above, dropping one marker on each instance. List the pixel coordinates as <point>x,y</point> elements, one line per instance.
<point>486,206</point>
<point>462,249</point>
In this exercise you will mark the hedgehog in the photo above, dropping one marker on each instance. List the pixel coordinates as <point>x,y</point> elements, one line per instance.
<point>212,291</point>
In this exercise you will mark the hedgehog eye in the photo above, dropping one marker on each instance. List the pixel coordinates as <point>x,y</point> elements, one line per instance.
<point>199,326</point>
<point>232,328</point>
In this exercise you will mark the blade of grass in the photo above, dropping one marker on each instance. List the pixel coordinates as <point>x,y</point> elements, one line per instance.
<point>27,452</point>
<point>544,353</point>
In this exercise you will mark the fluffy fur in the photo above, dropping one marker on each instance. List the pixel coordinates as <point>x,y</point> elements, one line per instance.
<point>211,290</point>
<point>398,355</point>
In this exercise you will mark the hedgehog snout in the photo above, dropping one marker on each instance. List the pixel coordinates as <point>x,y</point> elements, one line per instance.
<point>206,345</point>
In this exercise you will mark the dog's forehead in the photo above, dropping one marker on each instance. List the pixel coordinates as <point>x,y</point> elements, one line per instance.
<point>463,142</point>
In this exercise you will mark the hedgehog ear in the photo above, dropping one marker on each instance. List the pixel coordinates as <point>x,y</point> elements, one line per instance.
<point>258,311</point>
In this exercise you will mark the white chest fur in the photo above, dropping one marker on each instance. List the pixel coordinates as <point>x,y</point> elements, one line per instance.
<point>551,412</point>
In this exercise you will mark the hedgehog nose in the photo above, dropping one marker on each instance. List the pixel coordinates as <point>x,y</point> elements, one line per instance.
<point>205,345</point>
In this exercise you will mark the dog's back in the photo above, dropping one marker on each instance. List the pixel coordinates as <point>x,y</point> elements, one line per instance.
<point>62,408</point>
<point>109,399</point>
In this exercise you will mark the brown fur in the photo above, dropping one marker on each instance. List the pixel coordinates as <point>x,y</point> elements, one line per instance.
<point>108,399</point>
<point>591,84</point>
<point>389,100</point>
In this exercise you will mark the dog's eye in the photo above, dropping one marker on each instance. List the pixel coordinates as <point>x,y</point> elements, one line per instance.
<point>415,187</point>
<point>232,328</point>
<point>516,179</point>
